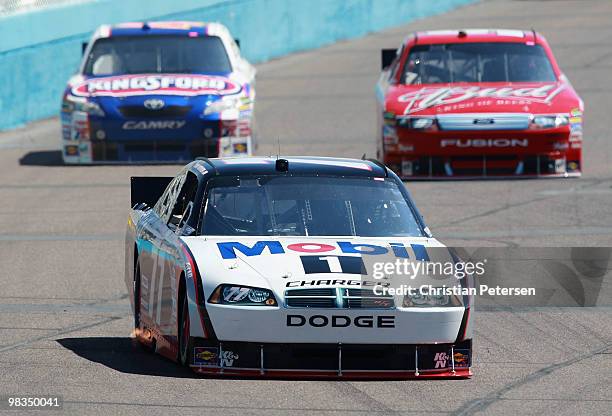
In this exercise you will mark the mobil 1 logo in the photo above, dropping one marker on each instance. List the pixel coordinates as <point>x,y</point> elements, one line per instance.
<point>333,264</point>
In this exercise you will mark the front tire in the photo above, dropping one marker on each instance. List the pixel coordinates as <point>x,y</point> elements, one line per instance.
<point>184,334</point>
<point>137,296</point>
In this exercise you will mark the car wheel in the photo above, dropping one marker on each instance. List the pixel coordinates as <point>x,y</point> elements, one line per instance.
<point>137,296</point>
<point>185,334</point>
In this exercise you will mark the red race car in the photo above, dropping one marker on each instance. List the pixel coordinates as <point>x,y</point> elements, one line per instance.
<point>477,103</point>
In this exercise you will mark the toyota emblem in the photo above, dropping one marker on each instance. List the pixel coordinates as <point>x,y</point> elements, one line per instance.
<point>154,104</point>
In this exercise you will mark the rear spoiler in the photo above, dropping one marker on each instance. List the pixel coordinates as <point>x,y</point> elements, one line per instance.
<point>387,57</point>
<point>148,189</point>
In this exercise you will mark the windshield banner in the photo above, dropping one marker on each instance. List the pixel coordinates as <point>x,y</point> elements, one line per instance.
<point>170,84</point>
<point>432,97</point>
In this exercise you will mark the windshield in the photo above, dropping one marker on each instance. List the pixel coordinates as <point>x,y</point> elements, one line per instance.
<point>307,206</point>
<point>477,62</point>
<point>153,54</point>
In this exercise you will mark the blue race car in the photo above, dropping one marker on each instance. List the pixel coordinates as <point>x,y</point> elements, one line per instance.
<point>159,92</point>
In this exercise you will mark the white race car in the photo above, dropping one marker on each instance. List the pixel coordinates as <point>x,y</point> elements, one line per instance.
<point>263,267</point>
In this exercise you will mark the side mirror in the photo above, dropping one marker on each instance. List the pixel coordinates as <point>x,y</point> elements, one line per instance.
<point>237,42</point>
<point>83,47</point>
<point>387,57</point>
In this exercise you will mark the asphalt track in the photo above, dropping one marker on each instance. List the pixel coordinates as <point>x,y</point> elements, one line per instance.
<point>64,319</point>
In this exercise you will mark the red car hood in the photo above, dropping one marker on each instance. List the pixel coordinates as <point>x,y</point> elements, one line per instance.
<point>496,97</point>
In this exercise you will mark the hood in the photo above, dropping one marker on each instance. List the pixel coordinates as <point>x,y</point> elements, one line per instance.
<point>497,97</point>
<point>189,85</point>
<point>280,263</point>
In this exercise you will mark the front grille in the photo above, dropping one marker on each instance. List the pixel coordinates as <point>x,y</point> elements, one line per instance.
<point>365,299</point>
<point>157,146</point>
<point>476,165</point>
<point>139,111</point>
<point>343,298</point>
<point>484,121</point>
<point>311,298</point>
<point>311,303</point>
<point>381,303</point>
<point>103,150</point>
<point>311,292</point>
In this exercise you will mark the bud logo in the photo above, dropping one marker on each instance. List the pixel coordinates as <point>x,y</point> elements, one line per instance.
<point>433,97</point>
<point>440,360</point>
<point>126,85</point>
<point>154,125</point>
<point>465,143</point>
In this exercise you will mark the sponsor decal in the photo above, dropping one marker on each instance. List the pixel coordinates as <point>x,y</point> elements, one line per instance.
<point>575,120</point>
<point>206,356</point>
<point>390,134</point>
<point>433,97</point>
<point>228,358</point>
<point>201,169</point>
<point>80,126</point>
<point>335,282</point>
<point>228,249</point>
<point>71,150</point>
<point>171,84</point>
<point>240,147</point>
<point>576,128</point>
<point>441,359</point>
<point>466,143</point>
<point>462,358</point>
<point>575,138</point>
<point>560,166</point>
<point>575,112</point>
<point>407,168</point>
<point>154,125</point>
<point>333,264</point>
<point>341,321</point>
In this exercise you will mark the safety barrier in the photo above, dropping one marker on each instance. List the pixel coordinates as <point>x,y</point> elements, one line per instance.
<point>41,48</point>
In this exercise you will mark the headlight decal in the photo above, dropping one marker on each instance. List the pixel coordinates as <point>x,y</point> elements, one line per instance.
<point>227,294</point>
<point>418,123</point>
<point>550,121</point>
<point>73,103</point>
<point>222,104</point>
<point>421,299</point>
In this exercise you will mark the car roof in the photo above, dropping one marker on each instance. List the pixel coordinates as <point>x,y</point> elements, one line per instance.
<point>186,28</point>
<point>476,35</point>
<point>297,165</point>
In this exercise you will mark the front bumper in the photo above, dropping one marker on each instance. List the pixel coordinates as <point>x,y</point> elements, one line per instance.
<point>478,154</point>
<point>348,326</point>
<point>333,360</point>
<point>90,140</point>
